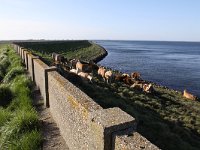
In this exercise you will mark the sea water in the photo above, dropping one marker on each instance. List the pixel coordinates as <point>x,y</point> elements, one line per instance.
<point>172,64</point>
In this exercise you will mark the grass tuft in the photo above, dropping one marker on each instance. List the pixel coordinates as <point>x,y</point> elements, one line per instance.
<point>29,141</point>
<point>4,116</point>
<point>13,73</point>
<point>24,121</point>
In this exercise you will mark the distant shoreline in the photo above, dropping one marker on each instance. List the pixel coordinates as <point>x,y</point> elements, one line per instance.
<point>102,55</point>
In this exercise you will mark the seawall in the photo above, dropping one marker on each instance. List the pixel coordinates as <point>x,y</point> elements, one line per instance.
<point>83,123</point>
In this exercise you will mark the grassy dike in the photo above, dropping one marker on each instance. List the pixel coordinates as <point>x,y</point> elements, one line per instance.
<point>83,50</point>
<point>19,124</point>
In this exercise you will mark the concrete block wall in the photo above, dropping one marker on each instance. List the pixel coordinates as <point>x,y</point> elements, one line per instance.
<point>39,74</point>
<point>72,114</point>
<point>20,51</point>
<point>41,78</point>
<point>82,122</point>
<point>26,59</point>
<point>23,54</point>
<point>80,119</point>
<point>31,69</point>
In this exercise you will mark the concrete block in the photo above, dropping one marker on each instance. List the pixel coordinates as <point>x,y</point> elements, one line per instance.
<point>20,51</point>
<point>15,47</point>
<point>71,109</point>
<point>131,140</point>
<point>26,58</point>
<point>107,121</point>
<point>31,65</point>
<point>39,75</point>
<point>23,56</point>
<point>46,99</point>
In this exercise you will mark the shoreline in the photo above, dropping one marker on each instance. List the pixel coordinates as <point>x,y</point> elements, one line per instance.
<point>102,55</point>
<point>105,53</point>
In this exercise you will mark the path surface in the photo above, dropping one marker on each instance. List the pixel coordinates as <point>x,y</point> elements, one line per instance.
<point>52,140</point>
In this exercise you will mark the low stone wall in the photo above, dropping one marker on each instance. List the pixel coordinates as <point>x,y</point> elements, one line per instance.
<point>82,122</point>
<point>26,58</point>
<point>40,77</point>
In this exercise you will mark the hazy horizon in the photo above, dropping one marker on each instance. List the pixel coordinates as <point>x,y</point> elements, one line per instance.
<point>98,40</point>
<point>100,20</point>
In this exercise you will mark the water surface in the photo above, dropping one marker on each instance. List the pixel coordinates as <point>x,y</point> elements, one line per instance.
<point>172,64</point>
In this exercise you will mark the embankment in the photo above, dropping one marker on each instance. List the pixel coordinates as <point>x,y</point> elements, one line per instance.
<point>83,50</point>
<point>102,54</point>
<point>83,123</point>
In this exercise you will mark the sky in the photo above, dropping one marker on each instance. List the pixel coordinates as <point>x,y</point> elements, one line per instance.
<point>168,20</point>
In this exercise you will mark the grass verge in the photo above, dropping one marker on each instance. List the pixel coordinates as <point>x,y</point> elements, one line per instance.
<point>19,124</point>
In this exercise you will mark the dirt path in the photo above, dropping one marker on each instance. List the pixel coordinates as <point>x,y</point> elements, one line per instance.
<point>52,140</point>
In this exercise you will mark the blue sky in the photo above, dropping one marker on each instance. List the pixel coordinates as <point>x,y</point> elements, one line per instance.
<point>100,19</point>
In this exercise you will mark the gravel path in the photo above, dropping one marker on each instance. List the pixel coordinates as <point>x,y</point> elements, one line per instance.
<point>52,140</point>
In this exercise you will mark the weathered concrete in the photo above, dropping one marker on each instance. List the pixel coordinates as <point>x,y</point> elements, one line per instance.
<point>70,108</point>
<point>31,65</point>
<point>131,140</point>
<point>87,123</point>
<point>20,51</point>
<point>49,69</point>
<point>23,54</point>
<point>108,121</point>
<point>26,58</point>
<point>39,76</point>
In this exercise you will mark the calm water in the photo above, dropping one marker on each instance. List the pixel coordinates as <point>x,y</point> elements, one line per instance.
<point>172,64</point>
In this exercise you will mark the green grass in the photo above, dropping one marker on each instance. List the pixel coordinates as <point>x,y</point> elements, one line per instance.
<point>4,116</point>
<point>19,124</point>
<point>83,50</point>
<point>13,73</point>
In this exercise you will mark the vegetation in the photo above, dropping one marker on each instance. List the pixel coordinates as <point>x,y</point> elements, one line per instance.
<point>165,118</point>
<point>83,50</point>
<point>19,124</point>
